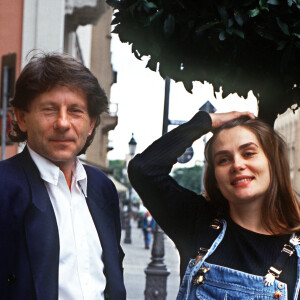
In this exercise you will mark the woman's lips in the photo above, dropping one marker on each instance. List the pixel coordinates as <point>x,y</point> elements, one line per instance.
<point>242,180</point>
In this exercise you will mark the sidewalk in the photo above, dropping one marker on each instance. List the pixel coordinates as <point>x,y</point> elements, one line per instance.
<point>137,259</point>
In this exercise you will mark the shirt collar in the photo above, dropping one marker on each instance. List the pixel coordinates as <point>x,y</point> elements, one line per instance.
<point>80,176</point>
<point>50,172</point>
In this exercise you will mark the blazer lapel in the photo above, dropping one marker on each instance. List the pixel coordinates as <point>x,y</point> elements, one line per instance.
<point>41,235</point>
<point>104,219</point>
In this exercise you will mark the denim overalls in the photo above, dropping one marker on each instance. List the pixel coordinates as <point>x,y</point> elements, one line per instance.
<point>220,283</point>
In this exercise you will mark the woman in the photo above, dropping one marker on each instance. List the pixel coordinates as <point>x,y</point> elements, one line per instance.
<point>242,254</point>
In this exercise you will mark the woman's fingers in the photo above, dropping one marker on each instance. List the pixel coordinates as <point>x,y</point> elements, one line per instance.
<point>218,119</point>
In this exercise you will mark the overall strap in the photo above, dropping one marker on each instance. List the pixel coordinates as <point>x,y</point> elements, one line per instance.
<point>276,269</point>
<point>297,286</point>
<point>216,230</point>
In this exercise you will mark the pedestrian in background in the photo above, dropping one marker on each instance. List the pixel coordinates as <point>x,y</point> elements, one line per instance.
<point>243,235</point>
<point>148,226</point>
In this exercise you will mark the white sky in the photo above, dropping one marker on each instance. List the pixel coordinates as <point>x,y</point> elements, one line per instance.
<point>139,93</point>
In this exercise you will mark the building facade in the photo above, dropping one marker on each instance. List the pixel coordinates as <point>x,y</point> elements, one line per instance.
<point>102,68</point>
<point>288,125</point>
<point>28,26</point>
<point>11,22</point>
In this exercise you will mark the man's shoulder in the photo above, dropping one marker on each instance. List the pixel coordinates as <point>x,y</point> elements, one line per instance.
<point>97,177</point>
<point>100,184</point>
<point>92,171</point>
<point>12,172</point>
<point>12,163</point>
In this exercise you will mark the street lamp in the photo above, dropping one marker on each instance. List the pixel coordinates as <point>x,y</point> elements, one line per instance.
<point>127,240</point>
<point>132,146</point>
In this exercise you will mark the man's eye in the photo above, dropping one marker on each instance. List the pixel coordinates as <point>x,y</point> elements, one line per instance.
<point>76,111</point>
<point>48,109</point>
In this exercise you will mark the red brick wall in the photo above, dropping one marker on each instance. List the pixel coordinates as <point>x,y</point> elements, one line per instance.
<point>11,23</point>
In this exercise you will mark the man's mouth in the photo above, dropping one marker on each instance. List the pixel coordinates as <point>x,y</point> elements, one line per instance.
<point>61,140</point>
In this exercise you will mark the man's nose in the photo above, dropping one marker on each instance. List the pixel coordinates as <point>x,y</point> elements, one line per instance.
<point>62,121</point>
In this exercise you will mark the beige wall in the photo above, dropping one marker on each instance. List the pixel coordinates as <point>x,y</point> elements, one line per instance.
<point>288,125</point>
<point>102,69</point>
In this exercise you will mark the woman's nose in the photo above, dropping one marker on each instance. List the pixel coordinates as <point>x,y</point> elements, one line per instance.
<point>238,164</point>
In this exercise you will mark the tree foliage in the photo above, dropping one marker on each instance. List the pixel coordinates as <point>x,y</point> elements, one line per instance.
<point>239,45</point>
<point>190,178</point>
<point>118,166</point>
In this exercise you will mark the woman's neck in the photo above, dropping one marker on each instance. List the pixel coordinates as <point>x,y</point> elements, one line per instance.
<point>248,218</point>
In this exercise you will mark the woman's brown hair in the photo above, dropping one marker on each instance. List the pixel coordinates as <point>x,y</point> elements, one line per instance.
<point>280,209</point>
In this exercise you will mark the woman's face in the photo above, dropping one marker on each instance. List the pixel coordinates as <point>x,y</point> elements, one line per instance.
<point>241,166</point>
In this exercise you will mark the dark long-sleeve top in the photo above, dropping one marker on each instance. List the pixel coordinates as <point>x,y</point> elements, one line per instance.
<point>185,216</point>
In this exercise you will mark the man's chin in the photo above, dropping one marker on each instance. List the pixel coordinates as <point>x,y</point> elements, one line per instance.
<point>61,158</point>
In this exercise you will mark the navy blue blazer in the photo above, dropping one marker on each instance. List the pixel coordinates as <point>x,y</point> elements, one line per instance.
<point>29,241</point>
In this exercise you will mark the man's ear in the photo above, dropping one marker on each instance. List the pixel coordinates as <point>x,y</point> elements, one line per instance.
<point>92,125</point>
<point>20,117</point>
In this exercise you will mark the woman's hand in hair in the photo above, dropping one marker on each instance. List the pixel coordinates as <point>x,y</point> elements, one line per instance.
<point>218,119</point>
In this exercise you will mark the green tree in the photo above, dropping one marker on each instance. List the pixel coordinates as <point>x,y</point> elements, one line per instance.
<point>118,166</point>
<point>190,178</point>
<point>239,45</point>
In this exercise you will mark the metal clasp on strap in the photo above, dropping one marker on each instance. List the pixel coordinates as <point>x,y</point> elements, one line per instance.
<point>200,276</point>
<point>216,224</point>
<point>288,249</point>
<point>275,272</point>
<point>202,251</point>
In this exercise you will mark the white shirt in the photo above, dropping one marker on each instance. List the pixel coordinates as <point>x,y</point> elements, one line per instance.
<point>81,274</point>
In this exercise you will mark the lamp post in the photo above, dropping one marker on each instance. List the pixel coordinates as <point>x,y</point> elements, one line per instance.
<point>3,113</point>
<point>156,271</point>
<point>127,240</point>
<point>209,108</point>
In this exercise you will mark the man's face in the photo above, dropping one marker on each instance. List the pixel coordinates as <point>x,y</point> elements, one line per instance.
<point>57,124</point>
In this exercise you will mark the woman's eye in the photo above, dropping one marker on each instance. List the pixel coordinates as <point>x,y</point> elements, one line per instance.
<point>249,154</point>
<point>223,160</point>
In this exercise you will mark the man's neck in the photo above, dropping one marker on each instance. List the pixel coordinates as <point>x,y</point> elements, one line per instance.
<point>65,166</point>
<point>67,171</point>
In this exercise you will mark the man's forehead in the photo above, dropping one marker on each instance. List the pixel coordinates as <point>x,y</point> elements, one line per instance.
<point>60,94</point>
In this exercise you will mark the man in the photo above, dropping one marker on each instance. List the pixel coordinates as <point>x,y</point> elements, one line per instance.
<point>59,220</point>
